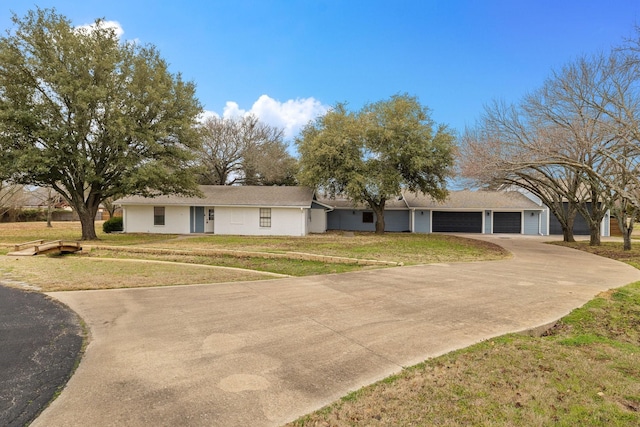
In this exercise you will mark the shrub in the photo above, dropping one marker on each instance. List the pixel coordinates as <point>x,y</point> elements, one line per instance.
<point>113,224</point>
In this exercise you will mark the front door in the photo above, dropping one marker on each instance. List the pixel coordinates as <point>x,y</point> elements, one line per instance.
<point>209,220</point>
<point>197,215</point>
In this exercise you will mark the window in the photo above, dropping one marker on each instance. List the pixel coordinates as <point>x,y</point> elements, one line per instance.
<point>265,217</point>
<point>367,217</point>
<point>158,215</point>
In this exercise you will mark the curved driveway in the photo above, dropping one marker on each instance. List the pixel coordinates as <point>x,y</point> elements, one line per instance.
<point>264,353</point>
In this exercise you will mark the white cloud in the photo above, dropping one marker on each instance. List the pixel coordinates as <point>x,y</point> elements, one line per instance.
<point>115,25</point>
<point>207,114</point>
<point>291,115</point>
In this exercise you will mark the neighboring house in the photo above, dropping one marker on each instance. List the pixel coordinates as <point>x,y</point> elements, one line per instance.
<point>239,210</point>
<point>295,211</point>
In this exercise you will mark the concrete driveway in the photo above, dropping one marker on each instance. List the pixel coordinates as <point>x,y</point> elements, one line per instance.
<point>264,353</point>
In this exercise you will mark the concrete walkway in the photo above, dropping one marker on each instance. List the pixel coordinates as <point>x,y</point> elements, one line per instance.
<point>264,353</point>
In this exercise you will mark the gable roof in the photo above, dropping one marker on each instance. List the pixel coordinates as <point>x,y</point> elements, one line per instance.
<point>228,195</point>
<point>467,199</point>
<point>463,199</point>
<point>340,202</point>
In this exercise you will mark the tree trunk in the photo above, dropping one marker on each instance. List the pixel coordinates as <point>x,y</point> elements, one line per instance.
<point>567,234</point>
<point>87,215</point>
<point>626,237</point>
<point>626,230</point>
<point>594,235</point>
<point>378,210</point>
<point>49,206</point>
<point>49,211</point>
<point>567,227</point>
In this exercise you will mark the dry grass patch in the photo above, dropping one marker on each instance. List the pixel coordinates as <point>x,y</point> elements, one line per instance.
<point>284,266</point>
<point>611,250</point>
<point>65,273</point>
<point>584,372</point>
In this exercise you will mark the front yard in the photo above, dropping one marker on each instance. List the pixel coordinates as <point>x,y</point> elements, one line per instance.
<point>115,260</point>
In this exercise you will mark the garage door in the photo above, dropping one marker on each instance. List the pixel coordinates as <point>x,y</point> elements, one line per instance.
<point>507,222</point>
<point>457,222</point>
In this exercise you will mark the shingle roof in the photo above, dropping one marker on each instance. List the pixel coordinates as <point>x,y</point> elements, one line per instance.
<point>226,195</point>
<point>343,203</point>
<point>466,199</point>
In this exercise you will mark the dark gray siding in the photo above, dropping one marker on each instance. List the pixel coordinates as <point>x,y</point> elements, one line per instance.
<point>580,226</point>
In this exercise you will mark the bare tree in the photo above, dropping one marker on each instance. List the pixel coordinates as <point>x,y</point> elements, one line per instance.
<point>269,163</point>
<point>49,197</point>
<point>244,151</point>
<point>505,149</point>
<point>577,132</point>
<point>109,206</point>
<point>11,197</point>
<point>580,131</point>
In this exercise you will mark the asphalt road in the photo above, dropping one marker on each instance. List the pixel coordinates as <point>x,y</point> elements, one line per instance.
<point>40,342</point>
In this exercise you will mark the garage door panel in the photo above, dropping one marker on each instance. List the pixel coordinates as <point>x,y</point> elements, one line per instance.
<point>507,222</point>
<point>457,222</point>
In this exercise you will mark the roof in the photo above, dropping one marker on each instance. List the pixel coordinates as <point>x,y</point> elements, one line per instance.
<point>467,199</point>
<point>464,199</point>
<point>228,195</point>
<point>340,202</point>
<point>264,196</point>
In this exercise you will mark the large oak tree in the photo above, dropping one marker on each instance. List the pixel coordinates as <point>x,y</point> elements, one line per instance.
<point>372,154</point>
<point>92,117</point>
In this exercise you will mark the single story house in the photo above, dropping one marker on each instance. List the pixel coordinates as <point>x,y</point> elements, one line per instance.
<point>296,211</point>
<point>245,210</point>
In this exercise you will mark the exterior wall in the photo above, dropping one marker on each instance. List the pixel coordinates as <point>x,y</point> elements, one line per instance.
<point>398,221</point>
<point>246,221</point>
<point>544,221</point>
<point>422,221</point>
<point>317,221</point>
<point>605,226</point>
<point>531,222</point>
<point>139,219</point>
<point>351,220</point>
<point>488,222</point>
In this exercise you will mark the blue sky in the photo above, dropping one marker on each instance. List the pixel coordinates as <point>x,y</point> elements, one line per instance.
<point>287,61</point>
